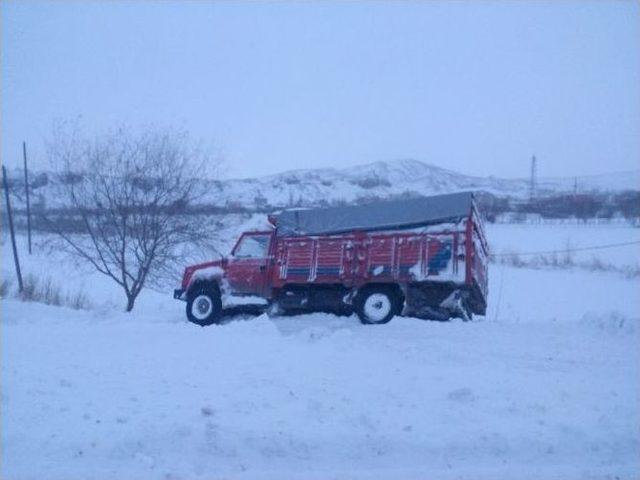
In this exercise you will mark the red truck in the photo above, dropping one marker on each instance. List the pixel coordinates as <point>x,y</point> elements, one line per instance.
<point>425,257</point>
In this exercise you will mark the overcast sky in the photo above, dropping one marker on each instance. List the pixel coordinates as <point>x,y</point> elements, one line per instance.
<point>473,86</point>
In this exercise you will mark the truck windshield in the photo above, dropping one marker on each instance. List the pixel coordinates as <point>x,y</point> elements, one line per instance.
<point>252,246</point>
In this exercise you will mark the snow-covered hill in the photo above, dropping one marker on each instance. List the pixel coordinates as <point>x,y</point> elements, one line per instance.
<point>399,177</point>
<point>381,179</point>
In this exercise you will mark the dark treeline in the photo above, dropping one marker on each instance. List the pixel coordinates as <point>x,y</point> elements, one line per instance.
<point>582,206</point>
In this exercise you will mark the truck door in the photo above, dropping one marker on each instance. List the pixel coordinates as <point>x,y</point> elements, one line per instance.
<point>249,264</point>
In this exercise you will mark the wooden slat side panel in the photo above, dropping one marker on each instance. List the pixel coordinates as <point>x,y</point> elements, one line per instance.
<point>380,257</point>
<point>330,256</point>
<point>298,260</point>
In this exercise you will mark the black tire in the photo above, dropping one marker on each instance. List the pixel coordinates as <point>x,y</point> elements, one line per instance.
<point>384,299</point>
<point>204,305</point>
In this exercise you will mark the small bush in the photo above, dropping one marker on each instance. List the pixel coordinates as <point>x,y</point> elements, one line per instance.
<point>29,289</point>
<point>70,178</point>
<point>292,180</point>
<point>567,259</point>
<point>632,272</point>
<point>597,265</point>
<point>564,261</point>
<point>5,287</point>
<point>77,301</point>
<point>37,290</point>
<point>47,292</point>
<point>511,259</point>
<point>371,182</point>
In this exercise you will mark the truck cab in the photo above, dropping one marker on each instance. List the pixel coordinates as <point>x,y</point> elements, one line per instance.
<point>249,264</point>
<point>241,277</point>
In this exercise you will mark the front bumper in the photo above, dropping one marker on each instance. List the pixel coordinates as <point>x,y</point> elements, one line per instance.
<point>178,294</point>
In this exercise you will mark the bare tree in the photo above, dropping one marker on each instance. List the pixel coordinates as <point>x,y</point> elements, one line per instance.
<point>130,193</point>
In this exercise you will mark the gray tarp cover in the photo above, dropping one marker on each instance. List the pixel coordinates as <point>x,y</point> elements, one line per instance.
<point>376,216</point>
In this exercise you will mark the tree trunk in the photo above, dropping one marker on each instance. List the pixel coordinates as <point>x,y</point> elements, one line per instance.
<point>131,299</point>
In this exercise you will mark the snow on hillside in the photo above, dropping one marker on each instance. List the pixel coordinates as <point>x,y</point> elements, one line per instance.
<point>379,179</point>
<point>399,177</point>
<point>544,387</point>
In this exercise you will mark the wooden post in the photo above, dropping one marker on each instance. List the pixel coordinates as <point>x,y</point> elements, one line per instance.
<point>13,236</point>
<point>26,189</point>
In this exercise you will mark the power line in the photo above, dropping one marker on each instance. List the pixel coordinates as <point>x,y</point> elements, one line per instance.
<point>593,247</point>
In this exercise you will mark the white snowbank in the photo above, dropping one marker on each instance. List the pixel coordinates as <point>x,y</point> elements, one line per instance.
<point>127,397</point>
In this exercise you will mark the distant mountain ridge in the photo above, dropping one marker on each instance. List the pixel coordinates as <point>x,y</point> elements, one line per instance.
<point>382,179</point>
<point>411,177</point>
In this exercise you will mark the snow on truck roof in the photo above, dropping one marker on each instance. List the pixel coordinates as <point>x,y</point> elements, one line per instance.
<point>375,216</point>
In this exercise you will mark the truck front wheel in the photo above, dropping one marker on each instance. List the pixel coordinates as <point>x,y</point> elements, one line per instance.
<point>377,305</point>
<point>204,305</point>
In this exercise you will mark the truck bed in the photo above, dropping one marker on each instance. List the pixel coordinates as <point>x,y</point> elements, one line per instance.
<point>352,259</point>
<point>446,256</point>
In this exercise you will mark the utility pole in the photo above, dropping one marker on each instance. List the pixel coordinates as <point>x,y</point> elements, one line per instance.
<point>26,189</point>
<point>533,181</point>
<point>13,236</point>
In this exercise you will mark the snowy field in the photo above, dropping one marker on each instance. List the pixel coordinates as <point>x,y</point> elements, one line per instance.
<point>546,386</point>
<point>507,238</point>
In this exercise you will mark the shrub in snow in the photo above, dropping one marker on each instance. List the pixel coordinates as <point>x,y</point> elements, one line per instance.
<point>47,292</point>
<point>5,286</point>
<point>564,261</point>
<point>613,322</point>
<point>463,395</point>
<point>371,182</point>
<point>206,411</point>
<point>632,272</point>
<point>30,289</point>
<point>77,301</point>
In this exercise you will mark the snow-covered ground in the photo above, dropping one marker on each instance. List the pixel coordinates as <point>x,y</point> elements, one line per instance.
<point>507,238</point>
<point>547,385</point>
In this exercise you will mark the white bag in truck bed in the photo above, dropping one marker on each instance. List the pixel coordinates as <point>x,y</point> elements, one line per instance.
<point>382,215</point>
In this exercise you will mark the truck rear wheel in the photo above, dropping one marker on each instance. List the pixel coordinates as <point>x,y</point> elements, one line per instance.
<point>377,305</point>
<point>204,305</point>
